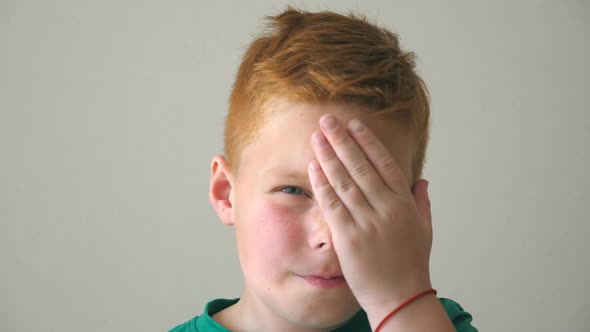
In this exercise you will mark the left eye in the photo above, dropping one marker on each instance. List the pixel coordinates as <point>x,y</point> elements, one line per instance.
<point>291,190</point>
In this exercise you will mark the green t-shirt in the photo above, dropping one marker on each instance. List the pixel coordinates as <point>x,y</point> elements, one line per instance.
<point>359,323</point>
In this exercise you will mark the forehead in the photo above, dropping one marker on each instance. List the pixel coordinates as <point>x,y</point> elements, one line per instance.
<point>283,144</point>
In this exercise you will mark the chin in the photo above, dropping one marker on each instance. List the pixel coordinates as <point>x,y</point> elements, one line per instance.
<point>322,313</point>
<point>309,307</point>
<point>327,320</point>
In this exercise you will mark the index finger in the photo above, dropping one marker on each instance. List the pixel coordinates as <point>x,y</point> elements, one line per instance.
<point>379,156</point>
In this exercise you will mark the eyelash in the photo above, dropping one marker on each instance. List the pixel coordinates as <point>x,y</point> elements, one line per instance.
<point>303,191</point>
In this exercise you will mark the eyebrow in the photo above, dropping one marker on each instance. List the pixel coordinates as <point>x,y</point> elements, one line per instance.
<point>286,174</point>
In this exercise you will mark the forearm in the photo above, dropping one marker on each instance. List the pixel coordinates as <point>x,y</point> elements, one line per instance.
<point>423,314</point>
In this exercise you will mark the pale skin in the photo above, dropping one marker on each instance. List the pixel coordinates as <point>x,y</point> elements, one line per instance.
<point>381,231</point>
<point>292,222</point>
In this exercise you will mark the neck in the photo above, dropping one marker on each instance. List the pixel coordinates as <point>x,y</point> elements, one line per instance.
<point>250,314</point>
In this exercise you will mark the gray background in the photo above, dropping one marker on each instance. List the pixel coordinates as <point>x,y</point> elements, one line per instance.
<point>111,110</point>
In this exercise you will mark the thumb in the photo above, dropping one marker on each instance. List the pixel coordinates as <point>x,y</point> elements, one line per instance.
<point>420,193</point>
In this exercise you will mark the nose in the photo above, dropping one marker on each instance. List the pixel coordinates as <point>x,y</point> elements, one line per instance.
<point>320,236</point>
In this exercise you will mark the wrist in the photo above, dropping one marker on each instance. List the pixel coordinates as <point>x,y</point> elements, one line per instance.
<point>377,310</point>
<point>410,306</point>
<point>422,312</point>
<point>396,295</point>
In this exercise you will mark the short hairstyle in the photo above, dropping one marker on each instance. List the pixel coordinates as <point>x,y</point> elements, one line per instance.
<point>326,57</point>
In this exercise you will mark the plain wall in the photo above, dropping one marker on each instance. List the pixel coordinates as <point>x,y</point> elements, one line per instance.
<point>110,112</point>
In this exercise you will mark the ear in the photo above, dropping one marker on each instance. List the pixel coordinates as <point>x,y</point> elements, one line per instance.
<point>220,190</point>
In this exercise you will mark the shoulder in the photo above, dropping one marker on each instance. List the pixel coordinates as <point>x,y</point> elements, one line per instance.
<point>205,322</point>
<point>461,319</point>
<point>190,326</point>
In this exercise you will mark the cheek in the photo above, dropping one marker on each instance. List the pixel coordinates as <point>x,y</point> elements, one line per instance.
<point>275,233</point>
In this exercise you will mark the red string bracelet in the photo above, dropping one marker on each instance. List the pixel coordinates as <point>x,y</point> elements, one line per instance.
<point>432,290</point>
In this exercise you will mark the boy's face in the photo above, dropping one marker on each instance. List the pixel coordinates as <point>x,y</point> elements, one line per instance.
<point>283,243</point>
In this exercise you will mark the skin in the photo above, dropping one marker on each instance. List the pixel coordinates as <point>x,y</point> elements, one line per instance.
<point>346,206</point>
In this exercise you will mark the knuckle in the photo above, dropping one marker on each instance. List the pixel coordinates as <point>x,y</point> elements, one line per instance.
<point>392,214</point>
<point>361,169</point>
<point>333,203</point>
<point>345,185</point>
<point>323,187</point>
<point>340,138</point>
<point>388,163</point>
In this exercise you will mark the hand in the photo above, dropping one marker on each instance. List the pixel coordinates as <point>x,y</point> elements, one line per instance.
<point>381,232</point>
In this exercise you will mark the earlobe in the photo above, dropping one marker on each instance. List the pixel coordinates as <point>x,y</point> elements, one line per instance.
<point>220,189</point>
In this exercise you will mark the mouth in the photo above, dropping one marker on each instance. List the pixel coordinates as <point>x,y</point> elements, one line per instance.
<point>326,282</point>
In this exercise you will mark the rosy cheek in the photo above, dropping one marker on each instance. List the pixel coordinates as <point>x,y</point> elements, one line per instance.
<point>278,229</point>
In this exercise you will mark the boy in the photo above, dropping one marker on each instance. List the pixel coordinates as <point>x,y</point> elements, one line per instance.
<point>324,148</point>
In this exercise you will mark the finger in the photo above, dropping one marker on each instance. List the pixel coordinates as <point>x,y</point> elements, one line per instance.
<point>354,160</point>
<point>379,156</point>
<point>420,193</point>
<point>342,184</point>
<point>336,214</point>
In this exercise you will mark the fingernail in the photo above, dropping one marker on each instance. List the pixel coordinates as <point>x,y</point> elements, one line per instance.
<point>319,139</point>
<point>329,122</point>
<point>355,125</point>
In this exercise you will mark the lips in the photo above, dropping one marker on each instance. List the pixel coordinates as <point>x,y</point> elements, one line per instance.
<point>326,281</point>
<point>326,273</point>
<point>325,276</point>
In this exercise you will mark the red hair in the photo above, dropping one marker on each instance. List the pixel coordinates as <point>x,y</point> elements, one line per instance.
<point>326,57</point>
